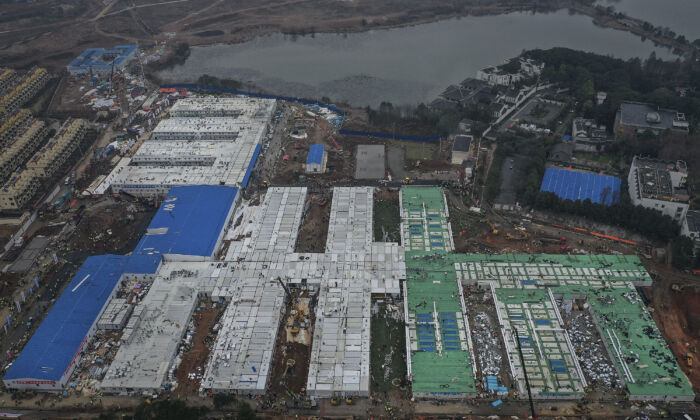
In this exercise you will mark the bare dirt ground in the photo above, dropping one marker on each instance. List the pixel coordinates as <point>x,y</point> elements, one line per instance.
<point>111,227</point>
<point>314,226</point>
<point>6,232</point>
<point>678,316</point>
<point>296,152</point>
<point>194,360</point>
<point>292,348</point>
<point>51,32</point>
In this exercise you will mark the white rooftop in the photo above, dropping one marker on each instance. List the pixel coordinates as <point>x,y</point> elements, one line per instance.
<point>215,106</point>
<point>195,150</point>
<point>151,337</point>
<point>260,250</point>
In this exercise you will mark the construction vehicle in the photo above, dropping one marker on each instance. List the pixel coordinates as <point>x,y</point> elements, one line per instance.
<point>350,400</point>
<point>677,287</point>
<point>298,317</point>
<point>520,237</point>
<point>296,324</point>
<point>335,399</point>
<point>494,229</point>
<point>289,367</point>
<point>689,359</point>
<point>265,184</point>
<point>407,181</point>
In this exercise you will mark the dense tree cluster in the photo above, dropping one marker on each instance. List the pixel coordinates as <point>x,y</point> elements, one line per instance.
<point>652,80</point>
<point>207,80</point>
<point>649,222</point>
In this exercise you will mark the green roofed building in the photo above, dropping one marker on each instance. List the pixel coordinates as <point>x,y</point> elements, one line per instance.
<point>527,291</point>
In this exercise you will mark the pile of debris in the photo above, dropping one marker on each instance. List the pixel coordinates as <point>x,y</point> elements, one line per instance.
<point>590,349</point>
<point>486,343</point>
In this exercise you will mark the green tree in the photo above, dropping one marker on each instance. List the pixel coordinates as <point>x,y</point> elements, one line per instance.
<point>169,410</point>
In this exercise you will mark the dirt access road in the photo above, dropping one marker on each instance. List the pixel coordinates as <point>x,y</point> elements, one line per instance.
<point>678,316</point>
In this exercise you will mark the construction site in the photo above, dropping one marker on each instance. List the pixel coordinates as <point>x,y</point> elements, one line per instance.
<point>323,295</point>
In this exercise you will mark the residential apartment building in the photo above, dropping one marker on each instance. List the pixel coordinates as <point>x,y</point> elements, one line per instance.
<point>18,190</point>
<point>660,185</point>
<point>691,228</point>
<point>12,124</point>
<point>54,154</point>
<point>24,90</point>
<point>14,154</point>
<point>588,136</point>
<point>7,79</point>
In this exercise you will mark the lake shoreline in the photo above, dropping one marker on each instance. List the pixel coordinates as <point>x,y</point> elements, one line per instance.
<point>630,25</point>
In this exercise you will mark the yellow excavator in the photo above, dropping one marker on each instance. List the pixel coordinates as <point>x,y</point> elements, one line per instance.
<point>494,229</point>
<point>290,366</point>
<point>299,316</point>
<point>521,236</point>
<point>407,181</point>
<point>336,399</point>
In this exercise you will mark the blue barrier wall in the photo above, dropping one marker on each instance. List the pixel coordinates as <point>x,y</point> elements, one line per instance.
<point>388,136</point>
<point>254,95</point>
<point>248,172</point>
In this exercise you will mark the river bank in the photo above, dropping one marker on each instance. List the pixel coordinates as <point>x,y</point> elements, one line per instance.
<point>405,66</point>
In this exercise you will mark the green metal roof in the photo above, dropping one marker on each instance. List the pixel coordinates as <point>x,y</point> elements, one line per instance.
<point>521,282</point>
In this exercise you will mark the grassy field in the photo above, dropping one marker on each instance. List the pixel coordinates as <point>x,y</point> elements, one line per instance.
<point>386,219</point>
<point>388,349</point>
<point>597,157</point>
<point>417,150</point>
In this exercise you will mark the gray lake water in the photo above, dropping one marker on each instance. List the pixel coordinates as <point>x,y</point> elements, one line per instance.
<point>404,65</point>
<point>682,16</point>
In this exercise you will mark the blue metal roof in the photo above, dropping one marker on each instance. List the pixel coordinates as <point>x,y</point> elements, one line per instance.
<point>143,264</point>
<point>93,57</point>
<point>188,222</point>
<point>50,351</point>
<point>315,154</point>
<point>575,185</point>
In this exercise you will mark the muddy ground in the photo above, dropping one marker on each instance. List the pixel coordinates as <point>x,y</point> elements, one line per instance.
<point>677,315</point>
<point>112,227</point>
<point>387,216</point>
<point>194,361</point>
<point>295,348</point>
<point>313,231</point>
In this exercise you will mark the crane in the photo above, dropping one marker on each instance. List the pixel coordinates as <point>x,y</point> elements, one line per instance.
<point>527,381</point>
<point>299,316</point>
<point>328,133</point>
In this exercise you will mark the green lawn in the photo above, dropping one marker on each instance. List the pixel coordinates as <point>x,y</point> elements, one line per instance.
<point>417,150</point>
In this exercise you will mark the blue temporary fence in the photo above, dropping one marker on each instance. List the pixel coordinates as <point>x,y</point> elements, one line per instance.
<point>253,95</point>
<point>249,172</point>
<point>388,136</point>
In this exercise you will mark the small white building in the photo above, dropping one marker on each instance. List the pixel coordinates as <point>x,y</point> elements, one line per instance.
<point>691,227</point>
<point>317,159</point>
<point>497,77</point>
<point>660,185</point>
<point>461,149</point>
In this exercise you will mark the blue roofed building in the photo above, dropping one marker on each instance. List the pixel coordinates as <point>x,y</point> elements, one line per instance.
<point>576,185</point>
<point>189,223</point>
<point>316,161</point>
<point>98,61</point>
<point>54,350</point>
